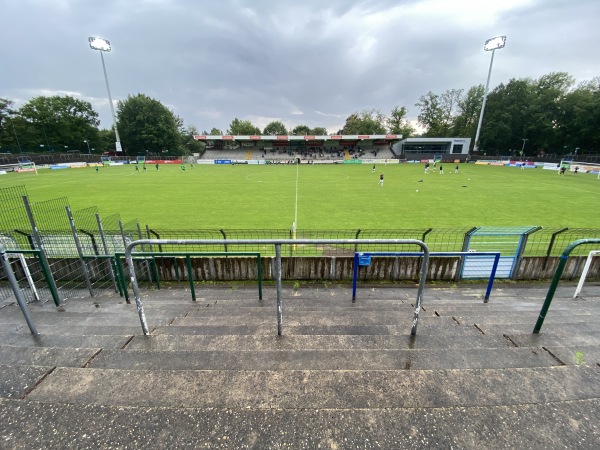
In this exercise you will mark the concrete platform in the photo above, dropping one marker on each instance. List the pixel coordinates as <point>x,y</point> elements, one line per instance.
<point>215,374</point>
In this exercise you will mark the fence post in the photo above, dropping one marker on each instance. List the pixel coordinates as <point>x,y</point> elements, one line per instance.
<point>520,251</point>
<point>16,289</point>
<point>224,239</point>
<point>278,278</point>
<point>40,247</point>
<point>154,265</point>
<point>123,235</point>
<point>426,233</point>
<point>106,251</point>
<point>551,245</point>
<point>465,248</point>
<point>93,239</point>
<point>356,237</point>
<point>190,271</point>
<point>84,267</point>
<point>145,262</point>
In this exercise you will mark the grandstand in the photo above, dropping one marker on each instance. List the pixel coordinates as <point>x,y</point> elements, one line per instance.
<point>332,148</point>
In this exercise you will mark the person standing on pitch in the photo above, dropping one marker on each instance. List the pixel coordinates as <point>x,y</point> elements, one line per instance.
<point>441,169</point>
<point>373,171</point>
<point>156,165</point>
<point>456,169</point>
<point>381,180</point>
<point>427,167</point>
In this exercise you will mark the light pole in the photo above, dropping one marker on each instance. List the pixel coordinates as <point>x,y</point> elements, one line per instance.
<point>88,145</point>
<point>103,45</point>
<point>523,148</point>
<point>490,45</point>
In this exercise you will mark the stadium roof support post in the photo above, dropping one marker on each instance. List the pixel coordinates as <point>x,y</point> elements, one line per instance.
<point>492,45</point>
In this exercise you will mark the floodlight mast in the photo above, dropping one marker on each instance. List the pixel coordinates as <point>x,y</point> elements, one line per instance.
<point>492,45</point>
<point>102,45</point>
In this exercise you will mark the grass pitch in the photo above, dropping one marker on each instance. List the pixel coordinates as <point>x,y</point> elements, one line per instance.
<point>328,197</point>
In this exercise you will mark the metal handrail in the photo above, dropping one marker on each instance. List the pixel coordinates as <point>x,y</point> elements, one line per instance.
<point>187,255</point>
<point>559,270</point>
<point>277,243</point>
<point>12,280</point>
<point>488,291</point>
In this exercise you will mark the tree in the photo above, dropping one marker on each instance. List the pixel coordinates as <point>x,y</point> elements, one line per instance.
<point>190,144</point>
<point>301,130</point>
<point>506,120</point>
<point>319,131</point>
<point>581,116</point>
<point>467,117</point>
<point>8,140</point>
<point>437,112</point>
<point>5,109</point>
<point>275,128</point>
<point>146,125</point>
<point>398,124</point>
<point>242,128</point>
<point>213,132</point>
<point>58,122</point>
<point>365,122</point>
<point>546,115</point>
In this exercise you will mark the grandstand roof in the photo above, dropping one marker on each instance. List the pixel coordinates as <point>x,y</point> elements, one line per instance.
<point>334,137</point>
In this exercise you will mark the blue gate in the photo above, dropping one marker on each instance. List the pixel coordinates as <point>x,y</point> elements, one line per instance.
<point>506,240</point>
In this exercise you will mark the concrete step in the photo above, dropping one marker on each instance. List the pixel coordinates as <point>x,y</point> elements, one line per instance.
<point>45,356</point>
<point>300,389</point>
<point>16,381</point>
<point>571,338</point>
<point>65,341</point>
<point>355,359</point>
<point>125,319</point>
<point>165,342</point>
<point>576,355</point>
<point>315,318</point>
<point>548,327</point>
<point>571,424</point>
<point>289,330</point>
<point>61,329</point>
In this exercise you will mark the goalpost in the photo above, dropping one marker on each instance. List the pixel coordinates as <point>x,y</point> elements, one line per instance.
<point>21,167</point>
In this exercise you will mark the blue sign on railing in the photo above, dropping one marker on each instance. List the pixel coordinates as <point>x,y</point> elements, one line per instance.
<point>364,260</point>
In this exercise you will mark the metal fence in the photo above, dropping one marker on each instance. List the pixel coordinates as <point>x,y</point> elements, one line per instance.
<point>78,247</point>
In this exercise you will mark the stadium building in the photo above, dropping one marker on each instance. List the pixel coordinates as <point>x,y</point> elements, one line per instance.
<point>445,149</point>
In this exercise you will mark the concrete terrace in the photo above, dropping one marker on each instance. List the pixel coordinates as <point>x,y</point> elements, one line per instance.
<point>214,373</point>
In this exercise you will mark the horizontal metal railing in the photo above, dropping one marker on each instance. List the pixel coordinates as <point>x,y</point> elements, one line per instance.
<point>277,243</point>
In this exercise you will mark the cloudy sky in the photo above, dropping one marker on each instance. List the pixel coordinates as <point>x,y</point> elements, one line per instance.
<point>310,62</point>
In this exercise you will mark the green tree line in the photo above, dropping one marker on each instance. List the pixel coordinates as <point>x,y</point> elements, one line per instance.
<point>550,114</point>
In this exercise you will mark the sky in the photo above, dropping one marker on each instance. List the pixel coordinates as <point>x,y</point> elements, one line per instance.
<point>309,62</point>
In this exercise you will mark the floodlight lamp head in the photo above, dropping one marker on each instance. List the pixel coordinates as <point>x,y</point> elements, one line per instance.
<point>494,43</point>
<point>97,43</point>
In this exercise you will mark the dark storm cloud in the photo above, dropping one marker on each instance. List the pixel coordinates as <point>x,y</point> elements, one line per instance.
<point>309,62</point>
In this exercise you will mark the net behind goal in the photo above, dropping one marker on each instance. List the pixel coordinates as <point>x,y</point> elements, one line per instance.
<point>19,168</point>
<point>582,167</point>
